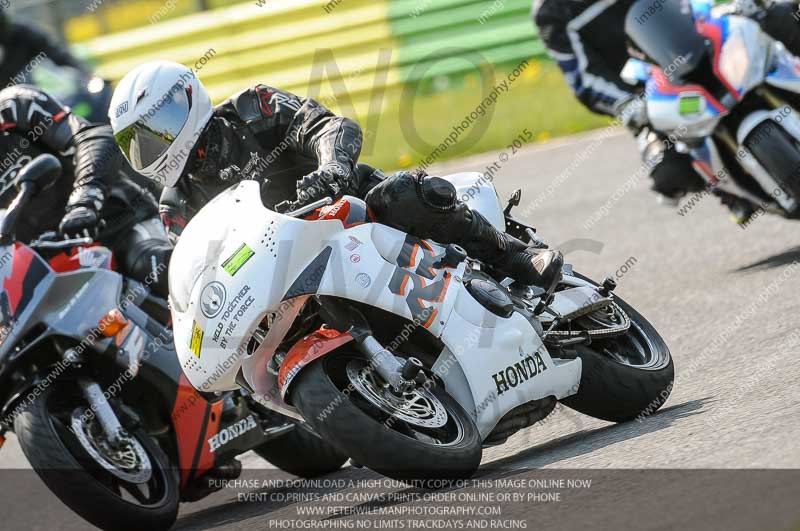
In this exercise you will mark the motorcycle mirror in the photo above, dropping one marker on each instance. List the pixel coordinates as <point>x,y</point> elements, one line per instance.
<point>42,172</point>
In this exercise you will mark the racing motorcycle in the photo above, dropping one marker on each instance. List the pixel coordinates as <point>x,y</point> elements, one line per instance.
<point>407,355</point>
<point>91,386</point>
<point>728,91</point>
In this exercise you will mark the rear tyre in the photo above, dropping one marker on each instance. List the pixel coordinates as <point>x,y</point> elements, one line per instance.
<point>430,438</point>
<point>627,376</point>
<point>302,454</point>
<point>778,153</point>
<point>90,489</point>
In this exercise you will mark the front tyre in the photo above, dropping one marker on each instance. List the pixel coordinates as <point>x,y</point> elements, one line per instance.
<point>132,487</point>
<point>778,153</point>
<point>424,434</point>
<point>626,376</point>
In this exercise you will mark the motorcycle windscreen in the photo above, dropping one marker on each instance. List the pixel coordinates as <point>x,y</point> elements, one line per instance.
<point>666,33</point>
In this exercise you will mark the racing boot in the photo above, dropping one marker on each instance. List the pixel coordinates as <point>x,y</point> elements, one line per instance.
<point>510,256</point>
<point>741,210</point>
<point>428,207</point>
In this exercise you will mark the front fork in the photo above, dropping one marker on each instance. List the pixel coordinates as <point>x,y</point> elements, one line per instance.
<point>98,403</point>
<point>400,376</point>
<point>105,414</point>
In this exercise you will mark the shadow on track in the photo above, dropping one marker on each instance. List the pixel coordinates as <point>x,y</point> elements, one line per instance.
<point>579,443</point>
<point>777,260</point>
<point>229,510</point>
<point>588,441</point>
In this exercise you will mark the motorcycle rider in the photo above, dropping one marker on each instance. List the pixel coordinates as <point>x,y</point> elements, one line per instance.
<point>21,44</point>
<point>165,124</point>
<point>587,39</point>
<point>94,197</point>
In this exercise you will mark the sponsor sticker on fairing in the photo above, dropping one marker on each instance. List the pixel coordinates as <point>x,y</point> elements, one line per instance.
<point>196,342</point>
<point>230,433</point>
<point>530,366</point>
<point>238,259</point>
<point>212,299</point>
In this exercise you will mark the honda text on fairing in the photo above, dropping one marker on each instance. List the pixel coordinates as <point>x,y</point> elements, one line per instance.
<point>404,354</point>
<point>94,392</point>
<point>728,92</point>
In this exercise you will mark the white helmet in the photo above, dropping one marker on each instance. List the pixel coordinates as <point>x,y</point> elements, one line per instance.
<point>158,111</point>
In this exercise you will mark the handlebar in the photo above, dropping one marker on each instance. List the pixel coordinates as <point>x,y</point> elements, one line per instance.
<point>9,223</point>
<point>38,175</point>
<point>61,244</point>
<point>281,207</point>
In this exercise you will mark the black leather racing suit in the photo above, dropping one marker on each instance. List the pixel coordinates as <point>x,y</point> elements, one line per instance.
<point>587,39</point>
<point>95,177</point>
<point>298,149</point>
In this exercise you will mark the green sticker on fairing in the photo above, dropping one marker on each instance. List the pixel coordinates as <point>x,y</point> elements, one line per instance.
<point>233,264</point>
<point>690,105</point>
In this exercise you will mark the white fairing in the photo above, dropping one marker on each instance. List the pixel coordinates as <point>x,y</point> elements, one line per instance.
<point>258,263</point>
<point>786,69</point>
<point>664,116</point>
<point>742,61</point>
<point>744,56</point>
<point>480,195</point>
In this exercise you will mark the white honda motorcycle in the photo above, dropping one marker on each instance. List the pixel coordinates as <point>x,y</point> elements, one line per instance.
<point>728,91</point>
<point>405,354</point>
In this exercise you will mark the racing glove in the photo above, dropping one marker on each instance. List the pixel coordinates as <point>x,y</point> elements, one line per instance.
<point>79,222</point>
<point>332,179</point>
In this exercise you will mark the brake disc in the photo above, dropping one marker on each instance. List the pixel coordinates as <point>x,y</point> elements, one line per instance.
<point>129,463</point>
<point>416,406</point>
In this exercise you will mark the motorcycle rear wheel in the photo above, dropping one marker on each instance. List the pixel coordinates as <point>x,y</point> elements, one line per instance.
<point>82,483</point>
<point>388,444</point>
<point>625,377</point>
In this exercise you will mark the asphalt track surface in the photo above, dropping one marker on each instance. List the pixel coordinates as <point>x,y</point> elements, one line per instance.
<point>725,300</point>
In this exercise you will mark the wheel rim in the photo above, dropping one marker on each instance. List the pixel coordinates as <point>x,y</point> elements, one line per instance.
<point>420,426</point>
<point>416,406</point>
<point>626,342</point>
<point>148,486</point>
<point>129,462</point>
<point>635,349</point>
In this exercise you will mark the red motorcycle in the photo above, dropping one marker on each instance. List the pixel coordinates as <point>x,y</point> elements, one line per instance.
<point>92,388</point>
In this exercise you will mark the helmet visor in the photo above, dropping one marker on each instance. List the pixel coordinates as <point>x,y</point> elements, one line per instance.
<point>147,139</point>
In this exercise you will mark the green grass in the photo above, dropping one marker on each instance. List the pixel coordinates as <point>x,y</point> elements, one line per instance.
<point>540,101</point>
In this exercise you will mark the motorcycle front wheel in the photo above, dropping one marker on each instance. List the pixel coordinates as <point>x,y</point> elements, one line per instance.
<point>421,434</point>
<point>625,376</point>
<point>127,487</point>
